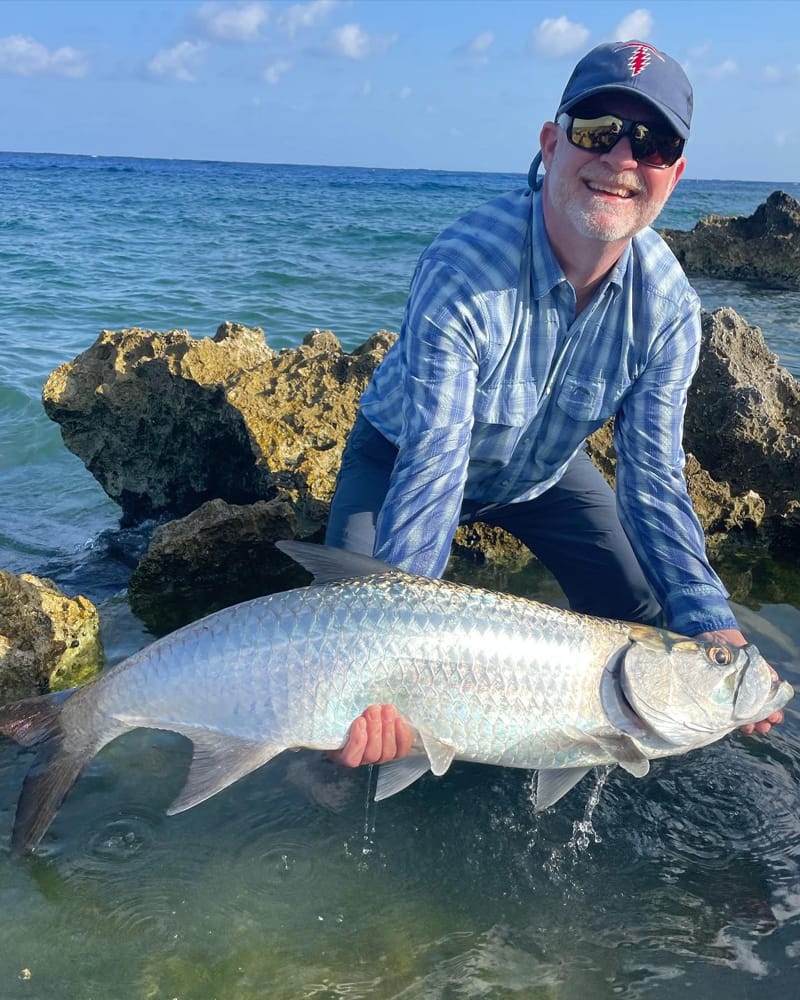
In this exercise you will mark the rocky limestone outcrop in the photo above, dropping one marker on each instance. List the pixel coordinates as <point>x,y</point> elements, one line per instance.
<point>761,249</point>
<point>48,641</point>
<point>743,412</point>
<point>286,417</point>
<point>138,401</point>
<point>165,422</point>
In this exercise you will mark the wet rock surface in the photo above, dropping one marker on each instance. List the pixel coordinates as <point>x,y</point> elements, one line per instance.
<point>48,641</point>
<point>761,249</point>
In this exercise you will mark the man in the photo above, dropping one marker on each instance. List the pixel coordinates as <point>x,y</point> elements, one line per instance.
<point>530,321</point>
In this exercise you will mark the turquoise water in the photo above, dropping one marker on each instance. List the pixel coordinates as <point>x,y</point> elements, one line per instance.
<point>290,884</point>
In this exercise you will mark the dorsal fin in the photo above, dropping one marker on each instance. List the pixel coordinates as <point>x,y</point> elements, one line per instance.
<point>327,564</point>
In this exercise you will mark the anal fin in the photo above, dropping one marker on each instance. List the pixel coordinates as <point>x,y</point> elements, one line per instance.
<point>399,774</point>
<point>396,775</point>
<point>218,760</point>
<point>624,751</point>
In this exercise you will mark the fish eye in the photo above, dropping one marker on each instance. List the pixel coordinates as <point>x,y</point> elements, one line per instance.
<point>721,655</point>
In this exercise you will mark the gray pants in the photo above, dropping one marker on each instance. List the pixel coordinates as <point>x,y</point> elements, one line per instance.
<point>573,528</point>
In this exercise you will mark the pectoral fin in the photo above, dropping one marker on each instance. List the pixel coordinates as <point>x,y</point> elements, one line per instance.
<point>624,751</point>
<point>218,760</point>
<point>552,785</point>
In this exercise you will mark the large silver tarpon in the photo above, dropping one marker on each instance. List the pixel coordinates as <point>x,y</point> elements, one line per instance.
<point>480,676</point>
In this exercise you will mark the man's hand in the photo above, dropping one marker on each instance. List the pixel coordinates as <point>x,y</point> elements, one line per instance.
<point>378,735</point>
<point>735,638</point>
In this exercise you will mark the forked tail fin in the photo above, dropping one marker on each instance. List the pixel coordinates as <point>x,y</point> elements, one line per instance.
<point>37,723</point>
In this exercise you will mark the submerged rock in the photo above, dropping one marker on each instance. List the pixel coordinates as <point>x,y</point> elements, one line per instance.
<point>48,641</point>
<point>218,555</point>
<point>762,248</point>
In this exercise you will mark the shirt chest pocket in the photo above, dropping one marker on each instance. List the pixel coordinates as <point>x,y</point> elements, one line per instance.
<point>511,404</point>
<point>592,399</point>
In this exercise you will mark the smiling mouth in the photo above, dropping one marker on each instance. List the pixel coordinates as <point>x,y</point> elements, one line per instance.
<point>610,189</point>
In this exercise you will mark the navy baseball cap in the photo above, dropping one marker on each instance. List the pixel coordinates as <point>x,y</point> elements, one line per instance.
<point>635,68</point>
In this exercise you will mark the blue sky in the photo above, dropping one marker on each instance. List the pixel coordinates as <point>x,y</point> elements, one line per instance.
<point>441,84</point>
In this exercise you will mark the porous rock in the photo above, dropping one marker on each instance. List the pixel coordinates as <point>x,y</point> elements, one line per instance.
<point>743,417</point>
<point>762,249</point>
<point>48,641</point>
<point>727,517</point>
<point>147,414</point>
<point>166,422</point>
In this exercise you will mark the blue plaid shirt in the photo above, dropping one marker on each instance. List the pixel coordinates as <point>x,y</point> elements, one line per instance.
<point>494,385</point>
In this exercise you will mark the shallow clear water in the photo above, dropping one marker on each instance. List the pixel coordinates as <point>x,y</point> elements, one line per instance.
<point>291,884</point>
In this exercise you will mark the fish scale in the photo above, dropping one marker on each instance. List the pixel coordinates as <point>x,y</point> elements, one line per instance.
<point>479,676</point>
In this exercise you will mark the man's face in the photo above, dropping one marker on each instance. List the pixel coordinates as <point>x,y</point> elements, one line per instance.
<point>603,196</point>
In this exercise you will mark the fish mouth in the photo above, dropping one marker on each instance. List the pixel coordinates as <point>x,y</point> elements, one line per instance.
<point>780,693</point>
<point>753,701</point>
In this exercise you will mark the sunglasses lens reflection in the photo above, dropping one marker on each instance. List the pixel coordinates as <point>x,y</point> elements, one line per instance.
<point>649,144</point>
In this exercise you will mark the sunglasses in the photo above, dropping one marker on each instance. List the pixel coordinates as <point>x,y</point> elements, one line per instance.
<point>650,144</point>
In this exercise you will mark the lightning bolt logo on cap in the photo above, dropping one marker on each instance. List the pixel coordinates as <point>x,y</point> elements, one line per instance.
<point>640,58</point>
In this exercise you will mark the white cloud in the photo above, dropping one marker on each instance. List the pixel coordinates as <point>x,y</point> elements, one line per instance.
<point>637,25</point>
<point>722,70</point>
<point>480,44</point>
<point>474,52</point>
<point>21,55</point>
<point>305,15</point>
<point>178,63</point>
<point>352,42</point>
<point>775,74</point>
<point>233,23</point>
<point>274,72</point>
<point>559,36</point>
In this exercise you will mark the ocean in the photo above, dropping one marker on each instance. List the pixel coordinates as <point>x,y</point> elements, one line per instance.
<point>291,884</point>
